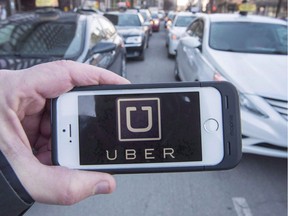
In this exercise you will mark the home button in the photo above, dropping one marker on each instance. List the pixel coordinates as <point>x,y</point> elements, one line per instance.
<point>211,125</point>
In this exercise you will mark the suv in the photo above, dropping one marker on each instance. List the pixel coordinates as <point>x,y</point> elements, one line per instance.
<point>134,31</point>
<point>46,35</point>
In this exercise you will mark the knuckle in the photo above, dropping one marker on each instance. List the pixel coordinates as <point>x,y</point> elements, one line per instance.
<point>68,197</point>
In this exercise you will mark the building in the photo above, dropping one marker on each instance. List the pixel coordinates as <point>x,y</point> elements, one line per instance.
<point>273,8</point>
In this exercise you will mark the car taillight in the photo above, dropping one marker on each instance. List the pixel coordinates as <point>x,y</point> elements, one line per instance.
<point>156,22</point>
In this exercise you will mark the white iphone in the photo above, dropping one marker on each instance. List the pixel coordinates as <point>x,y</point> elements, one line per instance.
<point>148,128</point>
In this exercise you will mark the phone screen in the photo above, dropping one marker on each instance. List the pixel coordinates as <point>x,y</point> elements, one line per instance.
<point>134,128</point>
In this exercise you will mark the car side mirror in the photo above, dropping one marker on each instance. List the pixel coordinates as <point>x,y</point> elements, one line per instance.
<point>192,42</point>
<point>103,47</point>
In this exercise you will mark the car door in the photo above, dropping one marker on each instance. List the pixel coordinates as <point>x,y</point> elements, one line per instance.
<point>186,55</point>
<point>202,66</point>
<point>98,35</point>
<point>95,36</point>
<point>115,58</point>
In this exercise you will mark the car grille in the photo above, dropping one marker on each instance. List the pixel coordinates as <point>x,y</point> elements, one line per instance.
<point>281,106</point>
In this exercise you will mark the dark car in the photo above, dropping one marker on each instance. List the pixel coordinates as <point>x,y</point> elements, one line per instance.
<point>156,22</point>
<point>134,31</point>
<point>46,35</point>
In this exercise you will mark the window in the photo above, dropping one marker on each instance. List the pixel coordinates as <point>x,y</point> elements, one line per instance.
<point>96,33</point>
<point>196,29</point>
<point>249,37</point>
<point>183,21</point>
<point>108,28</point>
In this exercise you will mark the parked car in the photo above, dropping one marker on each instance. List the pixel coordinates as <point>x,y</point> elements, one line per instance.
<point>156,22</point>
<point>178,27</point>
<point>134,31</point>
<point>45,35</point>
<point>251,53</point>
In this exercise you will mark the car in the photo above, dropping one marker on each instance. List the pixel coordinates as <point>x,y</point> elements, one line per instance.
<point>134,31</point>
<point>45,35</point>
<point>147,19</point>
<point>251,53</point>
<point>178,27</point>
<point>161,14</point>
<point>156,22</point>
<point>169,19</point>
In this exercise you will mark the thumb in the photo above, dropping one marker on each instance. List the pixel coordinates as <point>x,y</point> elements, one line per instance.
<point>62,186</point>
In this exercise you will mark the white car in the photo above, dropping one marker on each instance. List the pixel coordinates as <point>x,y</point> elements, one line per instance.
<point>178,27</point>
<point>250,52</point>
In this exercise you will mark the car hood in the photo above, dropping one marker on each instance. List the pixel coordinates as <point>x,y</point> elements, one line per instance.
<point>178,30</point>
<point>260,74</point>
<point>127,31</point>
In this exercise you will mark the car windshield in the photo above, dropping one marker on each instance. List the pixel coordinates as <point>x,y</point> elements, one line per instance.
<point>249,37</point>
<point>183,21</point>
<point>144,15</point>
<point>128,20</point>
<point>155,16</point>
<point>41,39</point>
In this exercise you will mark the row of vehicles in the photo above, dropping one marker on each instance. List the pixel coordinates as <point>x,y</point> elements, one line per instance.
<point>103,40</point>
<point>248,51</point>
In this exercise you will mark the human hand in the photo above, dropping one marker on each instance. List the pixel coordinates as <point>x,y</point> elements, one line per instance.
<point>25,132</point>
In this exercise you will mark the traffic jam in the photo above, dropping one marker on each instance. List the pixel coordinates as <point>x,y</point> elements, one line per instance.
<point>247,50</point>
<point>239,46</point>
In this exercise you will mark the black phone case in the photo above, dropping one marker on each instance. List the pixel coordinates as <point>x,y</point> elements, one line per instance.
<point>231,128</point>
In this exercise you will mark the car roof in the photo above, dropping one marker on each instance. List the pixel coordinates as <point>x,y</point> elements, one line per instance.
<point>243,18</point>
<point>185,14</point>
<point>48,15</point>
<point>121,12</point>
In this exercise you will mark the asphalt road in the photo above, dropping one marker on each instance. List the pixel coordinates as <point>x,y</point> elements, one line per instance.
<point>257,186</point>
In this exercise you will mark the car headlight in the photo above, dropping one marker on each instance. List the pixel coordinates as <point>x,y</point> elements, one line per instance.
<point>248,105</point>
<point>134,39</point>
<point>174,37</point>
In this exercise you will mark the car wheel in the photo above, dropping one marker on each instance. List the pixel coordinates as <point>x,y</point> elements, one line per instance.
<point>123,67</point>
<point>168,53</point>
<point>142,55</point>
<point>176,72</point>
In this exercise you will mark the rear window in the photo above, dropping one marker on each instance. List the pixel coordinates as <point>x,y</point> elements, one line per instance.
<point>249,37</point>
<point>124,19</point>
<point>183,21</point>
<point>41,39</point>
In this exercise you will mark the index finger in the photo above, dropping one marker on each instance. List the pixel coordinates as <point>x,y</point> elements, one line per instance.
<point>55,78</point>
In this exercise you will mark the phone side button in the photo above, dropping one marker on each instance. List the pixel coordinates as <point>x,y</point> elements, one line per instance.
<point>211,125</point>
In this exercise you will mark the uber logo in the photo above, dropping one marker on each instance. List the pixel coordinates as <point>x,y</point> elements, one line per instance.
<point>139,119</point>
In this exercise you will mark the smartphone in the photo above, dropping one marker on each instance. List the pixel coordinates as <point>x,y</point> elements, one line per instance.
<point>148,127</point>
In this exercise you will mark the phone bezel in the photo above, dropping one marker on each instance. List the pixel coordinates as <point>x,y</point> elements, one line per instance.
<point>68,147</point>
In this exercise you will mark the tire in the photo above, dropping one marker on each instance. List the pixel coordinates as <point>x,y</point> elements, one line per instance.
<point>142,56</point>
<point>176,72</point>
<point>147,45</point>
<point>168,54</point>
<point>123,67</point>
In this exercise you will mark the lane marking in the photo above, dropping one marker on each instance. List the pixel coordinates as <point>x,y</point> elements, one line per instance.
<point>241,206</point>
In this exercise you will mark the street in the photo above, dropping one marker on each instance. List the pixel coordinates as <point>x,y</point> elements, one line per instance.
<point>257,186</point>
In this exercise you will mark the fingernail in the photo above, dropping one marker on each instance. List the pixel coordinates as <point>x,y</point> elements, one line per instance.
<point>102,188</point>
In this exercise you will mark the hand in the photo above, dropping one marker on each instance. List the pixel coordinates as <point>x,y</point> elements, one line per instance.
<point>25,133</point>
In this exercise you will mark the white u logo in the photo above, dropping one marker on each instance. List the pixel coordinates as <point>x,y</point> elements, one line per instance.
<point>128,119</point>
